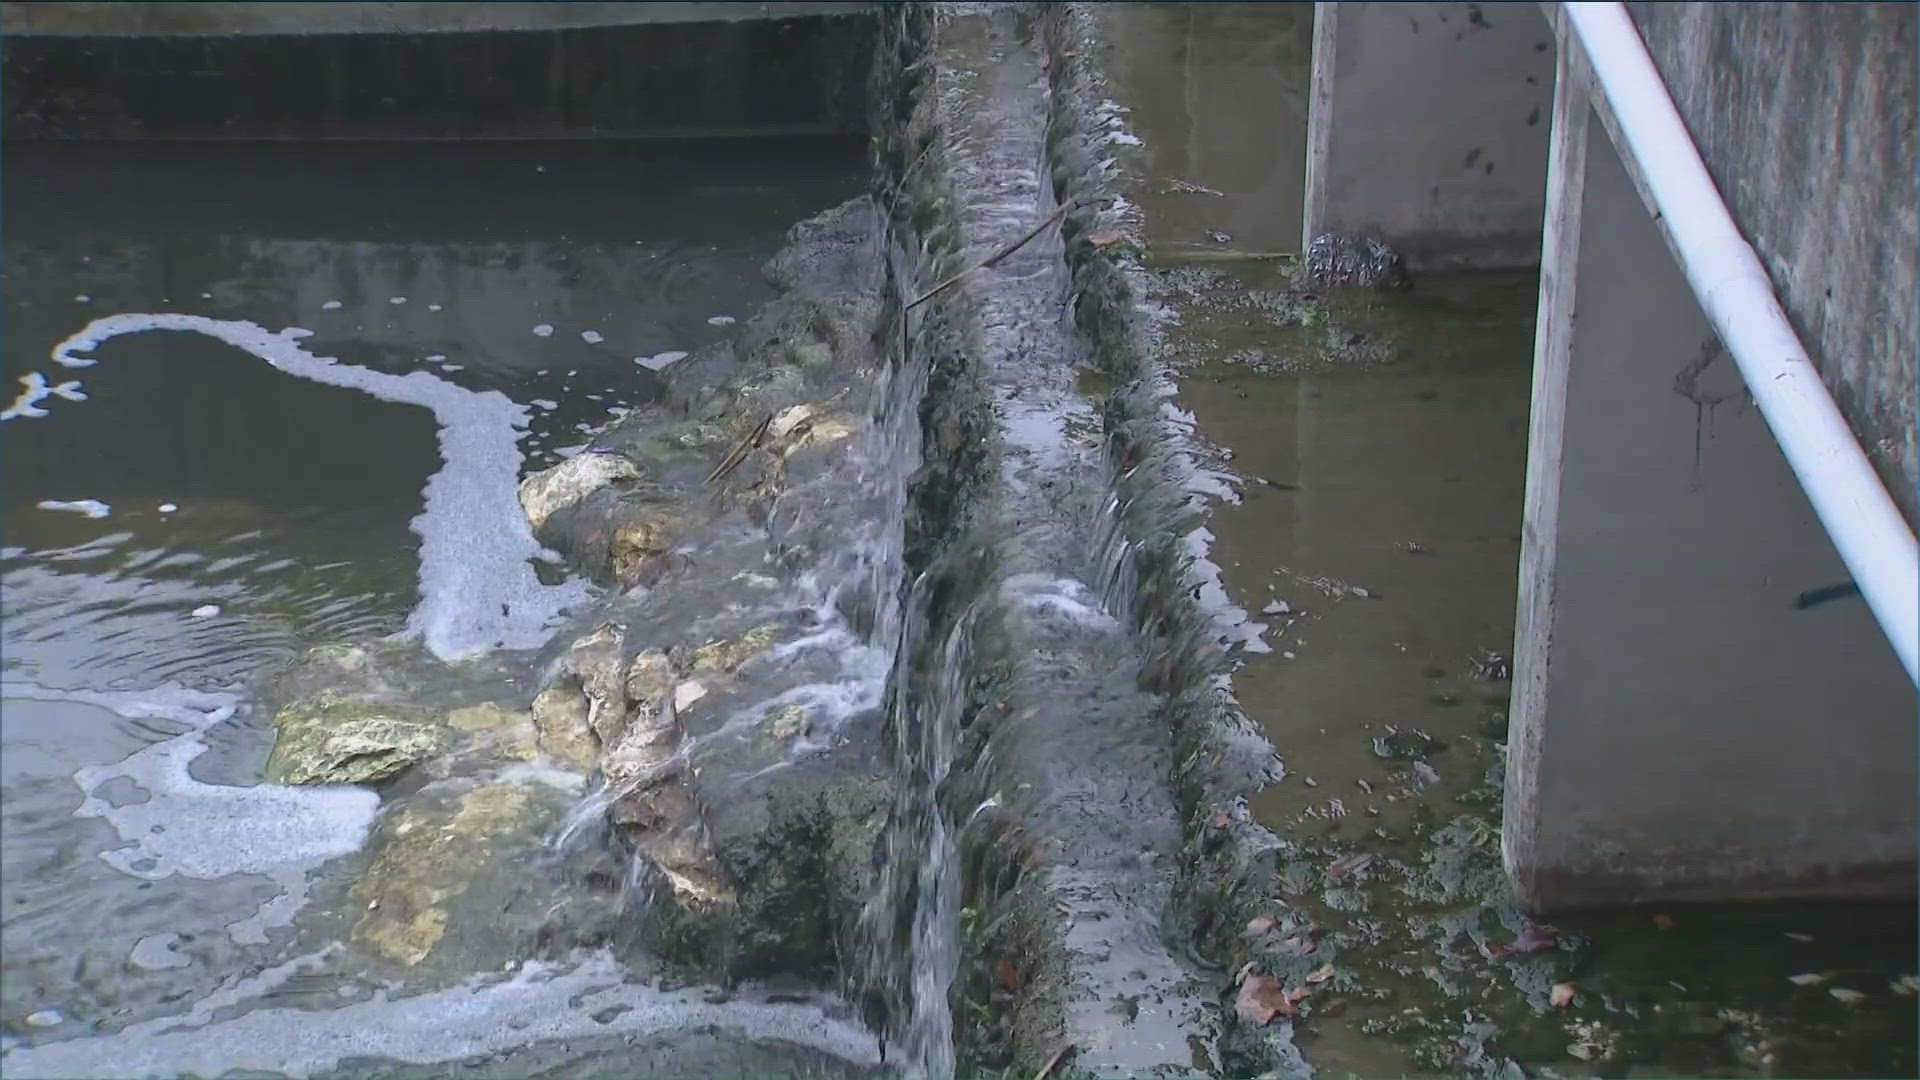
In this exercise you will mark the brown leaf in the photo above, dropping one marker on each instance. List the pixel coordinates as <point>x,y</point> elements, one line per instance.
<point>1664,922</point>
<point>1260,925</point>
<point>1298,994</point>
<point>1320,974</point>
<point>1009,975</point>
<point>1562,995</point>
<point>1261,999</point>
<point>1106,238</point>
<point>1531,939</point>
<point>1351,864</point>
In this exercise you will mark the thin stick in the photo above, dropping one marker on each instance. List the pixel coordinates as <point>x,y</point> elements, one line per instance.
<point>1053,1062</point>
<point>740,450</point>
<point>995,259</point>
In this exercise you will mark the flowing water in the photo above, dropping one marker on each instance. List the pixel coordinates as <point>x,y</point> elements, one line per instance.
<point>289,396</point>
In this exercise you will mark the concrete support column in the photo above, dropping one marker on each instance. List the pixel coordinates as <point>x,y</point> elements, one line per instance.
<point>1692,720</point>
<point>1427,127</point>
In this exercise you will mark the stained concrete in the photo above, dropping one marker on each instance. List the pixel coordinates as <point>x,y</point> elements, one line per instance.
<point>407,77</point>
<point>1805,115</point>
<point>333,16</point>
<point>1684,727</point>
<point>1427,127</point>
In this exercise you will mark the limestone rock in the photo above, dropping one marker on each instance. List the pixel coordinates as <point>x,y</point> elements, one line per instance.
<point>428,859</point>
<point>562,723</point>
<point>650,679</point>
<point>344,742</point>
<point>544,493</point>
<point>722,657</point>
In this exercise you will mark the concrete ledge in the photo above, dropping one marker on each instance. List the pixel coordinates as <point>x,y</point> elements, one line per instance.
<point>735,76</point>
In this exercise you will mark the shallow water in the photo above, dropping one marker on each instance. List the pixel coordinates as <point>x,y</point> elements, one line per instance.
<point>522,294</point>
<point>1381,440</point>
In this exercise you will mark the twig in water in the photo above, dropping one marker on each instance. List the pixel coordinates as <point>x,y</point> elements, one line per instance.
<point>994,260</point>
<point>740,450</point>
<point>1053,1063</point>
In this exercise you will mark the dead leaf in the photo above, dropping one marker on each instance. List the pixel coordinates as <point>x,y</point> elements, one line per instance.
<point>1664,922</point>
<point>1009,975</point>
<point>1846,996</point>
<point>1562,995</point>
<point>1320,974</point>
<point>1106,238</point>
<point>1298,995</point>
<point>1350,864</point>
<point>1261,925</point>
<point>1808,979</point>
<point>1261,999</point>
<point>1531,939</point>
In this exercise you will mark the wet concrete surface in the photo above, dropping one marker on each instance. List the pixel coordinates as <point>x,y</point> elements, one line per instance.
<point>1380,440</point>
<point>247,514</point>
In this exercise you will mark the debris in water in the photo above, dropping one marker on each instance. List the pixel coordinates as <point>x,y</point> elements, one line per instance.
<point>1320,974</point>
<point>1561,996</point>
<point>1847,997</point>
<point>1188,187</point>
<point>1802,938</point>
<point>1106,238</point>
<point>1261,999</point>
<point>1310,781</point>
<point>591,337</point>
<point>1349,864</point>
<point>206,611</point>
<point>1219,237</point>
<point>1277,607</point>
<point>92,508</point>
<point>83,298</point>
<point>722,320</point>
<point>1664,922</point>
<point>45,1018</point>
<point>168,508</point>
<point>543,330</point>
<point>396,300</point>
<point>1531,939</point>
<point>331,305</point>
<point>1053,1063</point>
<point>1810,978</point>
<point>433,307</point>
<point>1905,986</point>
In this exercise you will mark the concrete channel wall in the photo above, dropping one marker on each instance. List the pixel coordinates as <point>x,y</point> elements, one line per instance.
<point>1805,115</point>
<point>457,71</point>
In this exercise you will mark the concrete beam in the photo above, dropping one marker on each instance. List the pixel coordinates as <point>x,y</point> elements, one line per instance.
<point>1427,127</point>
<point>1691,720</point>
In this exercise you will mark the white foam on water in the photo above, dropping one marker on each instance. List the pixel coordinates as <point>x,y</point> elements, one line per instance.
<point>211,831</point>
<point>396,300</point>
<point>433,307</point>
<point>206,611</point>
<point>168,508</point>
<point>543,330</point>
<point>83,298</point>
<point>478,590</point>
<point>591,337</point>
<point>38,390</point>
<point>92,508</point>
<point>541,1003</point>
<point>331,305</point>
<point>722,320</point>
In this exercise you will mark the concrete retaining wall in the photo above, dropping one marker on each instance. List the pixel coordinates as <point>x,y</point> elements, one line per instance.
<point>1805,115</point>
<point>803,71</point>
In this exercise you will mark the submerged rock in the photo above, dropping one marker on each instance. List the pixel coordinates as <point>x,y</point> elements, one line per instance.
<point>1354,260</point>
<point>563,725</point>
<point>345,742</point>
<point>430,857</point>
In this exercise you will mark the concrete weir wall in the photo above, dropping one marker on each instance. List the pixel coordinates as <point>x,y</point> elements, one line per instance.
<point>1691,721</point>
<point>1701,712</point>
<point>456,71</point>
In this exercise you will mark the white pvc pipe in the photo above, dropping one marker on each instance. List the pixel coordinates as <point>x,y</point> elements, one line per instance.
<point>1735,293</point>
